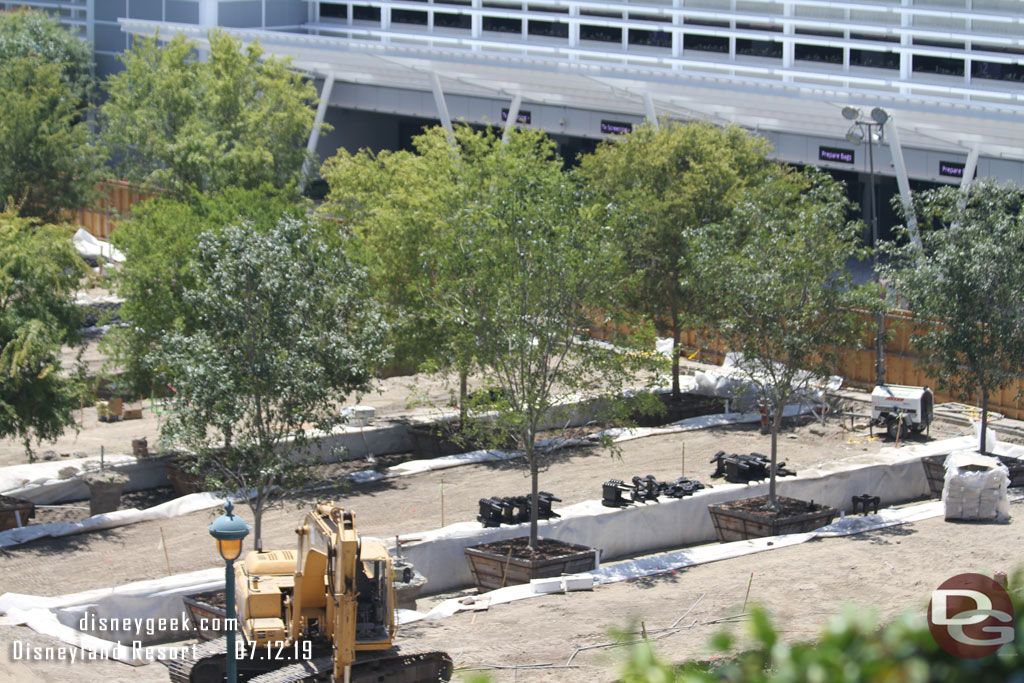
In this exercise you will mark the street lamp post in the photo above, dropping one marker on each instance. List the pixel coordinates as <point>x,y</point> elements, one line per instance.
<point>229,530</point>
<point>872,130</point>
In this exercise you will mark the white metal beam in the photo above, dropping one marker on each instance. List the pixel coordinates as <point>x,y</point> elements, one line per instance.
<point>513,114</point>
<point>442,106</point>
<point>314,135</point>
<point>903,181</point>
<point>969,168</point>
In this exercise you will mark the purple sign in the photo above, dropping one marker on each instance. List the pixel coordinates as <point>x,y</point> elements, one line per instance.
<point>835,154</point>
<point>522,117</point>
<point>616,127</point>
<point>951,169</point>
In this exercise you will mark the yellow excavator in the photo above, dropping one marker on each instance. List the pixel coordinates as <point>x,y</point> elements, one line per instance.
<point>322,613</point>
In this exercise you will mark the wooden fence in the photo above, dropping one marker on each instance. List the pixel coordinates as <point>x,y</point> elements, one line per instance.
<point>116,198</point>
<point>857,366</point>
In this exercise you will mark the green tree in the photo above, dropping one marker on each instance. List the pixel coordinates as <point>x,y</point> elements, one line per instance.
<point>42,39</point>
<point>965,286</point>
<point>39,272</point>
<point>402,204</point>
<point>160,241</point>
<point>776,270</point>
<point>49,166</point>
<point>529,269</point>
<point>238,118</point>
<point>659,187</point>
<point>285,330</point>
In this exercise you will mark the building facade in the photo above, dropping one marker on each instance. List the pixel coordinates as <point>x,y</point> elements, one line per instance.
<point>947,75</point>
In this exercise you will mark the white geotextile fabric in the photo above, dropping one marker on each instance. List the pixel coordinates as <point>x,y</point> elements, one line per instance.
<point>894,475</point>
<point>731,381</point>
<point>41,483</point>
<point>155,599</point>
<point>161,598</point>
<point>193,502</point>
<point>87,245</point>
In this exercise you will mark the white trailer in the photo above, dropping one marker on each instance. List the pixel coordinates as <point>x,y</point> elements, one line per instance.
<point>894,405</point>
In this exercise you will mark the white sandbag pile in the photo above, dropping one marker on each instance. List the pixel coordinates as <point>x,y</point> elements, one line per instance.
<point>975,488</point>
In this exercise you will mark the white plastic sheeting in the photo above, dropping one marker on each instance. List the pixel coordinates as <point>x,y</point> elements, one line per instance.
<point>665,562</point>
<point>732,381</point>
<point>172,508</point>
<point>144,603</point>
<point>87,245</point>
<point>895,476</point>
<point>42,483</point>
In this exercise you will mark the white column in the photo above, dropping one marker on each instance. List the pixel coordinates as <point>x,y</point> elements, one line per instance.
<point>969,168</point>
<point>902,181</point>
<point>442,106</point>
<point>652,115</point>
<point>314,135</point>
<point>513,114</point>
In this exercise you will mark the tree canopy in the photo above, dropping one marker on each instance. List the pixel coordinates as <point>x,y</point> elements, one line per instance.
<point>160,241</point>
<point>965,288</point>
<point>236,119</point>
<point>285,329</point>
<point>43,40</point>
<point>49,165</point>
<point>658,188</point>
<point>39,272</point>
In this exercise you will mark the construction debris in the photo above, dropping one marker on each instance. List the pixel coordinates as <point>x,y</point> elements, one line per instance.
<point>645,489</point>
<point>496,511</point>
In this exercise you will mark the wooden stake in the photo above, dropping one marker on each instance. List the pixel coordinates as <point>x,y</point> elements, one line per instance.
<point>504,572</point>
<point>682,468</point>
<point>747,596</point>
<point>442,503</point>
<point>167,557</point>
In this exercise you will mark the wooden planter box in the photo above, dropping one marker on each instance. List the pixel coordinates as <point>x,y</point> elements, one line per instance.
<point>494,569</point>
<point>184,482</point>
<point>935,470</point>
<point>437,440</point>
<point>689,405</point>
<point>740,525</point>
<point>202,613</point>
<point>13,509</point>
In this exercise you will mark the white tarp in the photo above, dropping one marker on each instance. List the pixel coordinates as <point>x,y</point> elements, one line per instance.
<point>731,380</point>
<point>87,245</point>
<point>42,482</point>
<point>172,508</point>
<point>145,603</point>
<point>894,475</point>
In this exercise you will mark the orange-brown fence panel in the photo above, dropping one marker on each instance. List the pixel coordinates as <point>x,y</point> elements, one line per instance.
<point>857,365</point>
<point>115,201</point>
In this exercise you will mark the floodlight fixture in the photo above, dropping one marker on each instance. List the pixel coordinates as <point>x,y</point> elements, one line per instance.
<point>879,115</point>
<point>851,113</point>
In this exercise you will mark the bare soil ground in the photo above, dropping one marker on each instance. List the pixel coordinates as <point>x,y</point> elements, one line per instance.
<point>805,585</point>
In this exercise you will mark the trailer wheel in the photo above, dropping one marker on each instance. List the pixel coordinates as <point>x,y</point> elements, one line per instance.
<point>892,428</point>
<point>918,428</point>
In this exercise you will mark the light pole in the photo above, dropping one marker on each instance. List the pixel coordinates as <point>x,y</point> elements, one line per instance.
<point>872,130</point>
<point>229,530</point>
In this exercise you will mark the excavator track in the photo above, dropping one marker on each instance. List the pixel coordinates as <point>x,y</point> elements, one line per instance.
<point>205,664</point>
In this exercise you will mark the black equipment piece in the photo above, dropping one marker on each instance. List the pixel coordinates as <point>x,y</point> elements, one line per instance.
<point>865,501</point>
<point>496,511</point>
<point>645,489</point>
<point>743,469</point>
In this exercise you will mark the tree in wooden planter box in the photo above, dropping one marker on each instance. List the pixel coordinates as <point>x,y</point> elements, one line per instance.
<point>782,296</point>
<point>285,329</point>
<point>529,267</point>
<point>966,285</point>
